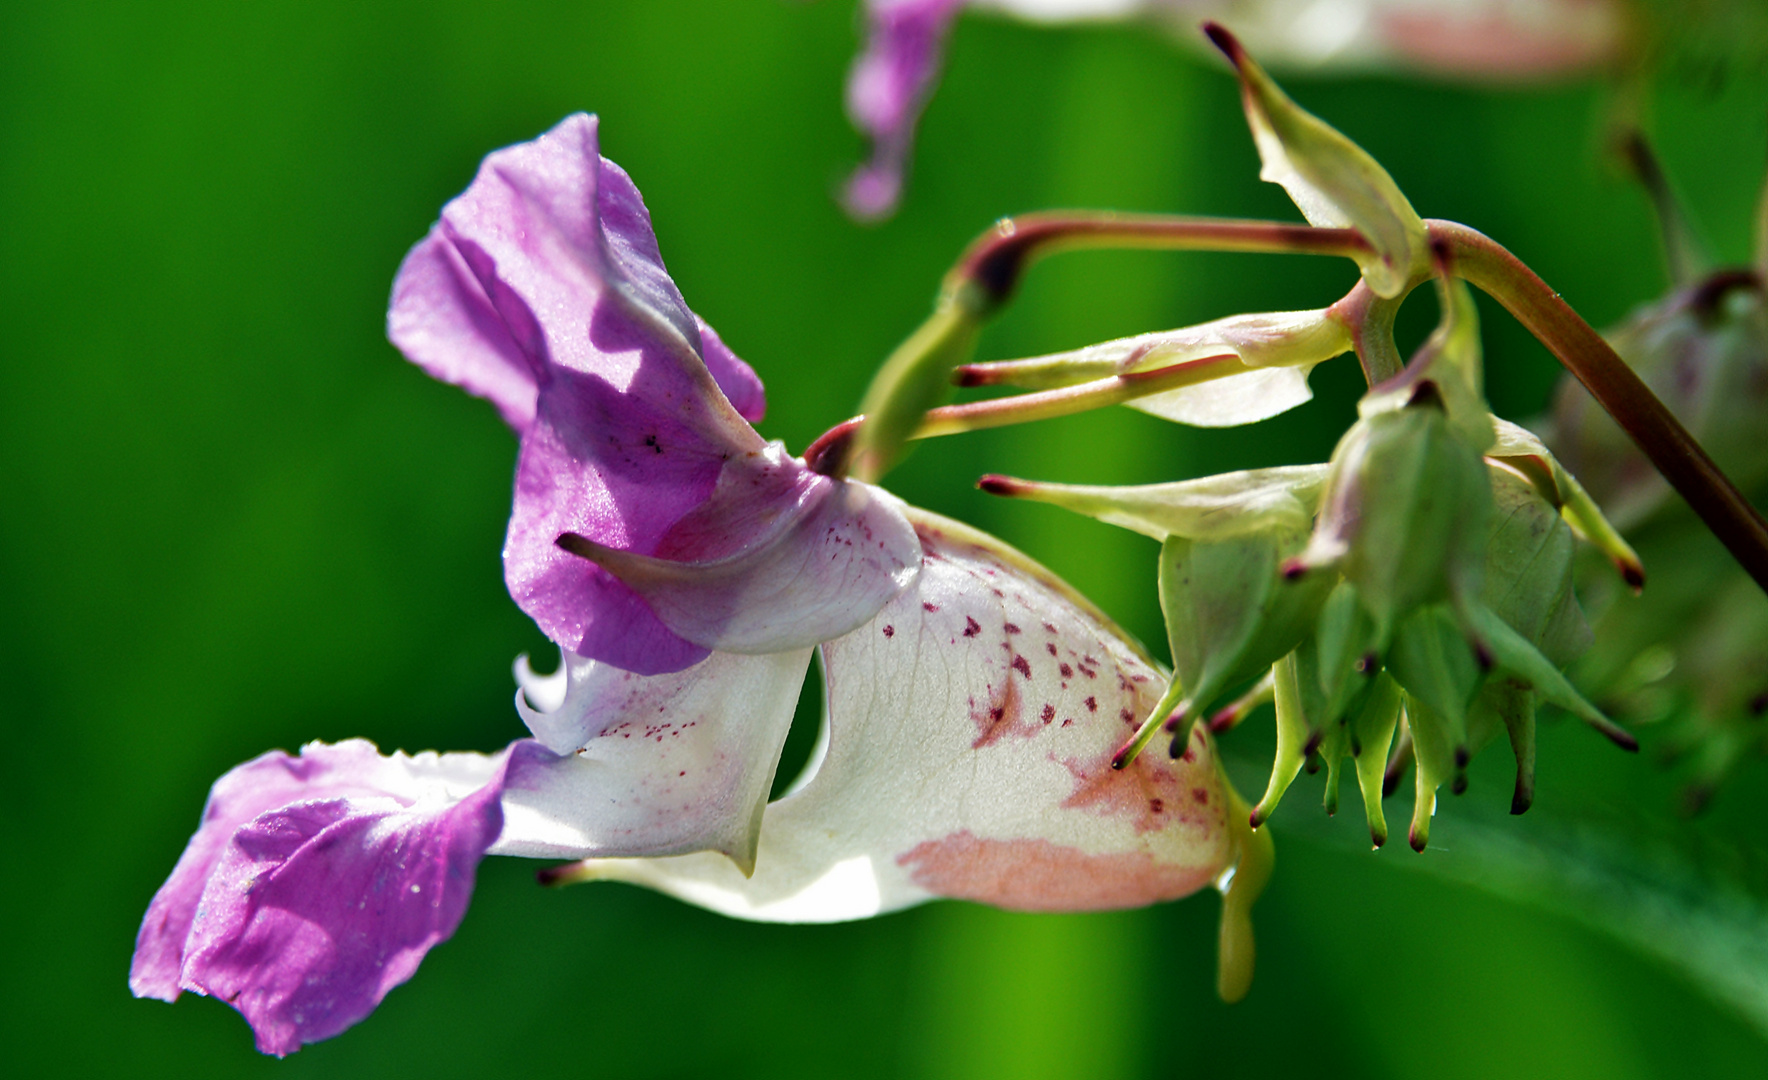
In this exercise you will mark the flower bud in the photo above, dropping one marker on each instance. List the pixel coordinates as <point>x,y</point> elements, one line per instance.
<point>1278,350</point>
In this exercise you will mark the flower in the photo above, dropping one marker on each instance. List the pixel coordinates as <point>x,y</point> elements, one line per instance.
<point>1497,40</point>
<point>687,569</point>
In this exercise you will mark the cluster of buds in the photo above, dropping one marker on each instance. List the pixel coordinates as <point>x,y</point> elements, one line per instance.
<point>1400,604</point>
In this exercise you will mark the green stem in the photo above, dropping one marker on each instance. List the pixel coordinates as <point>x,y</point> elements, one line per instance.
<point>994,261</point>
<point>1663,439</point>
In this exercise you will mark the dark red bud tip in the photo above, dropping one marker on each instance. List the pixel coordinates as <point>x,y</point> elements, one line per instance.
<point>1294,568</point>
<point>1223,720</point>
<point>1221,38</point>
<point>1255,819</point>
<point>1442,255</point>
<point>1521,801</point>
<point>552,875</point>
<point>1426,394</point>
<point>1313,742</point>
<point>1623,739</point>
<point>1458,786</point>
<point>1418,841</point>
<point>972,375</point>
<point>828,455</point>
<point>1482,655</point>
<point>1462,757</point>
<point>1121,760</point>
<point>1390,782</point>
<point>1632,573</point>
<point>1377,839</point>
<point>996,484</point>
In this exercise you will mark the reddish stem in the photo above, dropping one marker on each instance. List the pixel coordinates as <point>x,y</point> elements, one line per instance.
<point>1663,439</point>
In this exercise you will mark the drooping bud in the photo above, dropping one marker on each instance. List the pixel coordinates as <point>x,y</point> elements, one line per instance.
<point>1332,180</point>
<point>1404,513</point>
<point>1278,350</point>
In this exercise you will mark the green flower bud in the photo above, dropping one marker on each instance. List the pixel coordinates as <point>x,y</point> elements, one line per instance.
<point>1278,350</point>
<point>1404,513</point>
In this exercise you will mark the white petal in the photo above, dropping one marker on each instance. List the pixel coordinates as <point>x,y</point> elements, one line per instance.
<point>654,765</point>
<point>972,725</point>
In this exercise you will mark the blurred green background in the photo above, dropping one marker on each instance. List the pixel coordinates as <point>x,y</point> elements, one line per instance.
<point>233,519</point>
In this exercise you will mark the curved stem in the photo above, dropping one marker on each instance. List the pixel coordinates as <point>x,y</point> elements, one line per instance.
<point>994,261</point>
<point>1370,319</point>
<point>1675,453</point>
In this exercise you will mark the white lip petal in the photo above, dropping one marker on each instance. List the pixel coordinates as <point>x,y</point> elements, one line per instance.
<point>972,723</point>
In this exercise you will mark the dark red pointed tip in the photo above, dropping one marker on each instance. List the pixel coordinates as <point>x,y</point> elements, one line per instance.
<point>1377,839</point>
<point>996,484</point>
<point>1419,843</point>
<point>1390,782</point>
<point>575,544</point>
<point>1520,803</point>
<point>1631,573</point>
<point>1174,721</point>
<point>970,375</point>
<point>1121,759</point>
<point>1482,655</point>
<point>1623,739</point>
<point>1223,720</point>
<point>1294,568</point>
<point>1223,39</point>
<point>551,875</point>
<point>1254,819</point>
<point>828,455</point>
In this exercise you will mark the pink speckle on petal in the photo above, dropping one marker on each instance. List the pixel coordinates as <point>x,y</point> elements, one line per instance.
<point>1037,875</point>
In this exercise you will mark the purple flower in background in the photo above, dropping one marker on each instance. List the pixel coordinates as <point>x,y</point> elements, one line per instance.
<point>1492,40</point>
<point>542,289</point>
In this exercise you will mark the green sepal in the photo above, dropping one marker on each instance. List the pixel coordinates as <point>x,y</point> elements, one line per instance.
<point>1332,180</point>
<point>1281,499</point>
<point>1229,615</point>
<point>1293,733</point>
<point>1437,748</point>
<point>1433,661</point>
<point>1372,734</point>
<point>1511,653</point>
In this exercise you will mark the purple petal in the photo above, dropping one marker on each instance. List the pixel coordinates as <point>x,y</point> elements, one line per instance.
<point>886,90</point>
<point>637,437</point>
<point>316,884</point>
<point>441,318</point>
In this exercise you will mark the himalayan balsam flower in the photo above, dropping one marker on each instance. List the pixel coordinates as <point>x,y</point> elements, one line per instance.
<point>1493,40</point>
<point>687,569</point>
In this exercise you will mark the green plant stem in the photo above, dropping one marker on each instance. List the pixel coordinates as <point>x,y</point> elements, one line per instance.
<point>994,262</point>
<point>1663,439</point>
